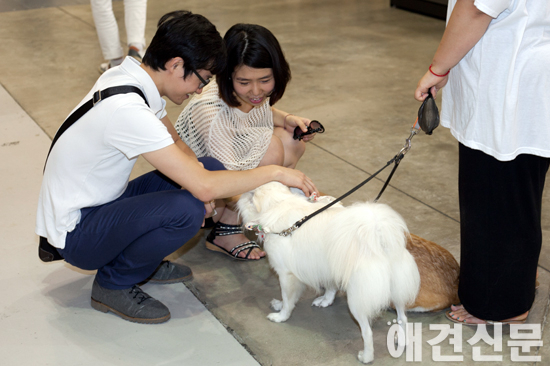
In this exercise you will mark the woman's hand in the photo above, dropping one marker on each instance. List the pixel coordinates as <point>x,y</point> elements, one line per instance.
<point>293,121</point>
<point>429,83</point>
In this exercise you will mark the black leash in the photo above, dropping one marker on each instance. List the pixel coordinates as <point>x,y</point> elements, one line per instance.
<point>396,159</point>
<point>428,120</point>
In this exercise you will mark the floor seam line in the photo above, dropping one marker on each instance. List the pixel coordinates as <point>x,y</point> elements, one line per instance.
<point>389,185</point>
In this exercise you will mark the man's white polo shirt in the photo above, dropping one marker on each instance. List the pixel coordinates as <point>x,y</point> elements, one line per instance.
<point>91,162</point>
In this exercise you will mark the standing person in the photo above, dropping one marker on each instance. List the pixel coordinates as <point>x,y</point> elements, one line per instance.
<point>496,105</point>
<point>135,14</point>
<point>90,211</point>
<point>235,122</point>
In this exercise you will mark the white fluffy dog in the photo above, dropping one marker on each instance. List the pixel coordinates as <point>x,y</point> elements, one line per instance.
<point>359,249</point>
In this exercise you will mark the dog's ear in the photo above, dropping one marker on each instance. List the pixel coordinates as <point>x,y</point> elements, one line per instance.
<point>263,197</point>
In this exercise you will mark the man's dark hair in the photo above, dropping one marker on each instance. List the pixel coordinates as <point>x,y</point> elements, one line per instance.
<point>254,46</point>
<point>189,36</point>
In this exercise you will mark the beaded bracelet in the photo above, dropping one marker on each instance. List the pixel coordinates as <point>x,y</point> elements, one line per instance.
<point>445,74</point>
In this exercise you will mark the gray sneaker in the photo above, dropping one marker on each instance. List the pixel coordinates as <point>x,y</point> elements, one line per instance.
<point>168,272</point>
<point>131,304</point>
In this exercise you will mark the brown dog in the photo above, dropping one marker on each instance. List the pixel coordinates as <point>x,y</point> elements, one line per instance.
<point>438,275</point>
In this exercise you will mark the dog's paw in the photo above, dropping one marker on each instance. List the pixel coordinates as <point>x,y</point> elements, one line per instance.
<point>365,358</point>
<point>276,305</point>
<point>322,302</point>
<point>277,317</point>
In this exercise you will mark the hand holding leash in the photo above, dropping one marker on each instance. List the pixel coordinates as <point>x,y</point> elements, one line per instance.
<point>428,115</point>
<point>427,120</point>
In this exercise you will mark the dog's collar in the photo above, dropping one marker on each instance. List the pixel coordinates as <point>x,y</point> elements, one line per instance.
<point>257,228</point>
<point>261,231</point>
<point>313,197</point>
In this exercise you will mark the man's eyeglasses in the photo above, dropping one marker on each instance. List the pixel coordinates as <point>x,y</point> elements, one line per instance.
<point>203,82</point>
<point>314,127</point>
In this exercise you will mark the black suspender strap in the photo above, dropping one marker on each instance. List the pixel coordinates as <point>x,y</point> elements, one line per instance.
<point>47,252</point>
<point>84,108</point>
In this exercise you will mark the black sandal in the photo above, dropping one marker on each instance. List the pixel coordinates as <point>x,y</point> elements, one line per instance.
<point>221,229</point>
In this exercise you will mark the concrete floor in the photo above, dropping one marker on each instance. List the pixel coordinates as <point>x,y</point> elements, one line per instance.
<point>355,65</point>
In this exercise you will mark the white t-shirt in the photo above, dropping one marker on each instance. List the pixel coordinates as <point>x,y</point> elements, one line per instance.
<point>237,139</point>
<point>497,99</point>
<point>91,162</point>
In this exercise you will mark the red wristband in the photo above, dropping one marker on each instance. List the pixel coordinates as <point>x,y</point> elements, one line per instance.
<point>433,73</point>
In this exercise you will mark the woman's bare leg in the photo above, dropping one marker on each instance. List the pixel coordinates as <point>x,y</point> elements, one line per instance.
<point>275,154</point>
<point>293,149</point>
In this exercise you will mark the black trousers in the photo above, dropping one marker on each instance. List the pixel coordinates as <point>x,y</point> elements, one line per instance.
<point>500,228</point>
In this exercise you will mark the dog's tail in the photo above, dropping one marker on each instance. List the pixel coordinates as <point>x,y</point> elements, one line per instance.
<point>405,279</point>
<point>391,233</point>
<point>370,231</point>
<point>378,268</point>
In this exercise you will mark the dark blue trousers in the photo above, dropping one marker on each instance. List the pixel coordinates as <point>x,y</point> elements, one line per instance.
<point>125,240</point>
